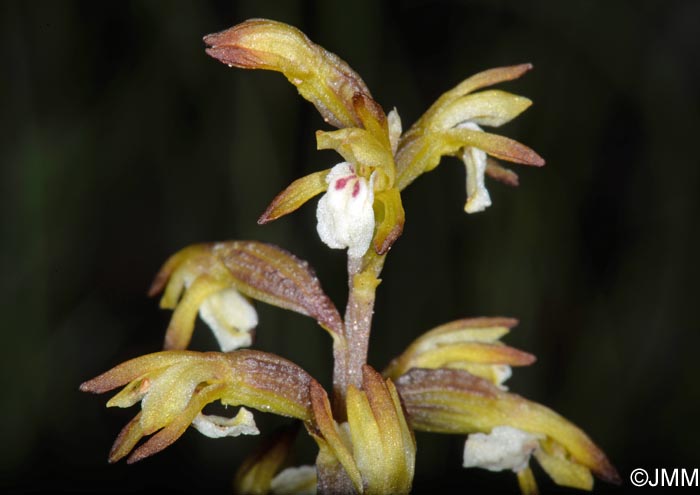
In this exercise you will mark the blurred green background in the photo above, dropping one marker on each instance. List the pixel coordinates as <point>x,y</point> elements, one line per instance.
<point>122,142</point>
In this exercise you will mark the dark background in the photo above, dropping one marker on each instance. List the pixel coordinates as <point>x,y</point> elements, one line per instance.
<point>122,142</point>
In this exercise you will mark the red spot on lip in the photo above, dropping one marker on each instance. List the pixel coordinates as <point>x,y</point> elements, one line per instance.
<point>356,189</point>
<point>342,182</point>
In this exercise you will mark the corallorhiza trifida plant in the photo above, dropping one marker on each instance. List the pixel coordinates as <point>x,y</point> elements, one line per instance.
<point>449,380</point>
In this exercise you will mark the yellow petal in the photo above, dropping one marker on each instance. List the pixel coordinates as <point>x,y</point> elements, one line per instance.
<point>472,353</point>
<point>389,216</point>
<point>368,450</point>
<point>493,144</point>
<point>477,81</point>
<point>490,108</point>
<point>372,117</point>
<point>170,393</point>
<point>324,430</point>
<point>177,427</point>
<point>295,195</point>
<point>320,76</point>
<point>363,150</point>
<point>127,439</point>
<point>136,369</point>
<point>179,332</point>
<point>564,472</point>
<point>527,483</point>
<point>461,344</point>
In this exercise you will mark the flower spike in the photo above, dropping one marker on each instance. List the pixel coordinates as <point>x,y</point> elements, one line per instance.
<point>449,380</point>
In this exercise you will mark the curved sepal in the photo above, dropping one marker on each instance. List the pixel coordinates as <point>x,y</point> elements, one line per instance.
<point>295,194</point>
<point>335,459</point>
<point>491,108</point>
<point>383,444</point>
<point>320,76</point>
<point>390,218</point>
<point>479,80</point>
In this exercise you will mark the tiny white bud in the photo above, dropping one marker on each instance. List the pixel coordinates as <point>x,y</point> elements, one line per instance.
<point>344,213</point>
<point>504,448</point>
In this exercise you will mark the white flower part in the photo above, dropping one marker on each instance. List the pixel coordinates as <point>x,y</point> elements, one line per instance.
<point>212,426</point>
<point>474,159</point>
<point>504,448</point>
<point>501,373</point>
<point>295,480</point>
<point>231,318</point>
<point>344,213</point>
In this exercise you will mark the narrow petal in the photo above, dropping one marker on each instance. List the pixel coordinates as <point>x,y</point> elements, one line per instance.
<point>182,322</point>
<point>477,81</point>
<point>495,145</point>
<point>135,368</point>
<point>389,217</point>
<point>372,117</point>
<point>127,439</point>
<point>565,472</point>
<point>177,427</point>
<point>527,483</point>
<point>491,108</point>
<point>497,172</point>
<point>295,195</point>
<point>325,432</point>
<point>170,393</point>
